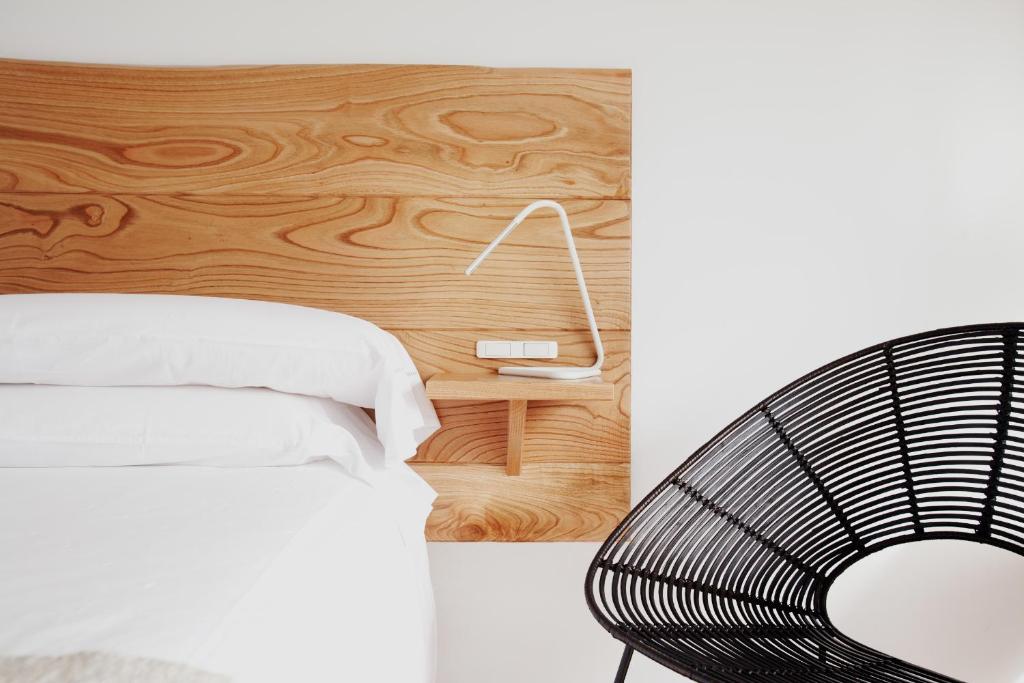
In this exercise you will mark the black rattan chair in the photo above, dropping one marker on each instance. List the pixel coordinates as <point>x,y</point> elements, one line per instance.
<point>721,573</point>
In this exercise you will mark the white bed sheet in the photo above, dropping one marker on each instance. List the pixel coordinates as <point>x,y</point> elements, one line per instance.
<point>269,575</point>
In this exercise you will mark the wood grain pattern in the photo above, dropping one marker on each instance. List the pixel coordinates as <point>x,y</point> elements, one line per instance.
<point>366,190</point>
<point>547,502</point>
<point>346,130</point>
<point>456,386</point>
<point>398,262</point>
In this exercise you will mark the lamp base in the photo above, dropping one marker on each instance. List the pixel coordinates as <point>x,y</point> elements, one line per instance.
<point>552,372</point>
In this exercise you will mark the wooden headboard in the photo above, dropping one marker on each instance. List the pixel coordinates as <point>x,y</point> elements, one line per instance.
<point>367,190</point>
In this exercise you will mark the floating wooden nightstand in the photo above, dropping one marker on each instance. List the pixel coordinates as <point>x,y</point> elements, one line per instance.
<point>517,391</point>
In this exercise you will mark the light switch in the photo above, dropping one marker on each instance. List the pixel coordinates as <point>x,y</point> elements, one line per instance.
<point>536,350</point>
<point>498,350</point>
<point>516,349</point>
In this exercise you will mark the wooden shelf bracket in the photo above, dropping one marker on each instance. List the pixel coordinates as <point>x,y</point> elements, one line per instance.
<point>516,432</point>
<point>517,391</point>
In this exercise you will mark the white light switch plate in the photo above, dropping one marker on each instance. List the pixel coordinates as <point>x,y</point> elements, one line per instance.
<point>516,349</point>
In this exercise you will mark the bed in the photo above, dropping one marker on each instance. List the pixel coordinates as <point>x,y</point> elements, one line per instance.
<point>192,491</point>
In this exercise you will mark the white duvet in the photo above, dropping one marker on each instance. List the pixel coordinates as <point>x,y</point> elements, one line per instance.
<point>266,575</point>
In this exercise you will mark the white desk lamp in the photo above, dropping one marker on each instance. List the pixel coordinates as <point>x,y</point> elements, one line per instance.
<point>552,372</point>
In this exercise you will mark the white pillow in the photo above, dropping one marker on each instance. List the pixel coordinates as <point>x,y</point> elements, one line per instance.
<point>55,426</point>
<point>158,340</point>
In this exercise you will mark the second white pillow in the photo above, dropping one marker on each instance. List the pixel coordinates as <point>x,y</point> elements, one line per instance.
<point>59,426</point>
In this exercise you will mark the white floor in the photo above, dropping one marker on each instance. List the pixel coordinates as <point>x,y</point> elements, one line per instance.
<point>540,587</point>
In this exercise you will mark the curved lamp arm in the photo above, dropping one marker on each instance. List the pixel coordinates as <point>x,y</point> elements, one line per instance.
<point>552,372</point>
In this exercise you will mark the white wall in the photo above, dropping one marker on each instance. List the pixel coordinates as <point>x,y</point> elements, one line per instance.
<point>810,177</point>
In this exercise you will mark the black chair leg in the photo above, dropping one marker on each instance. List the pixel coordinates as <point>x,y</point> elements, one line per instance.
<point>627,655</point>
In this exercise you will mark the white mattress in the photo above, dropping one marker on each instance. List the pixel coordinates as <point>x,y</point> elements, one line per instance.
<point>269,575</point>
